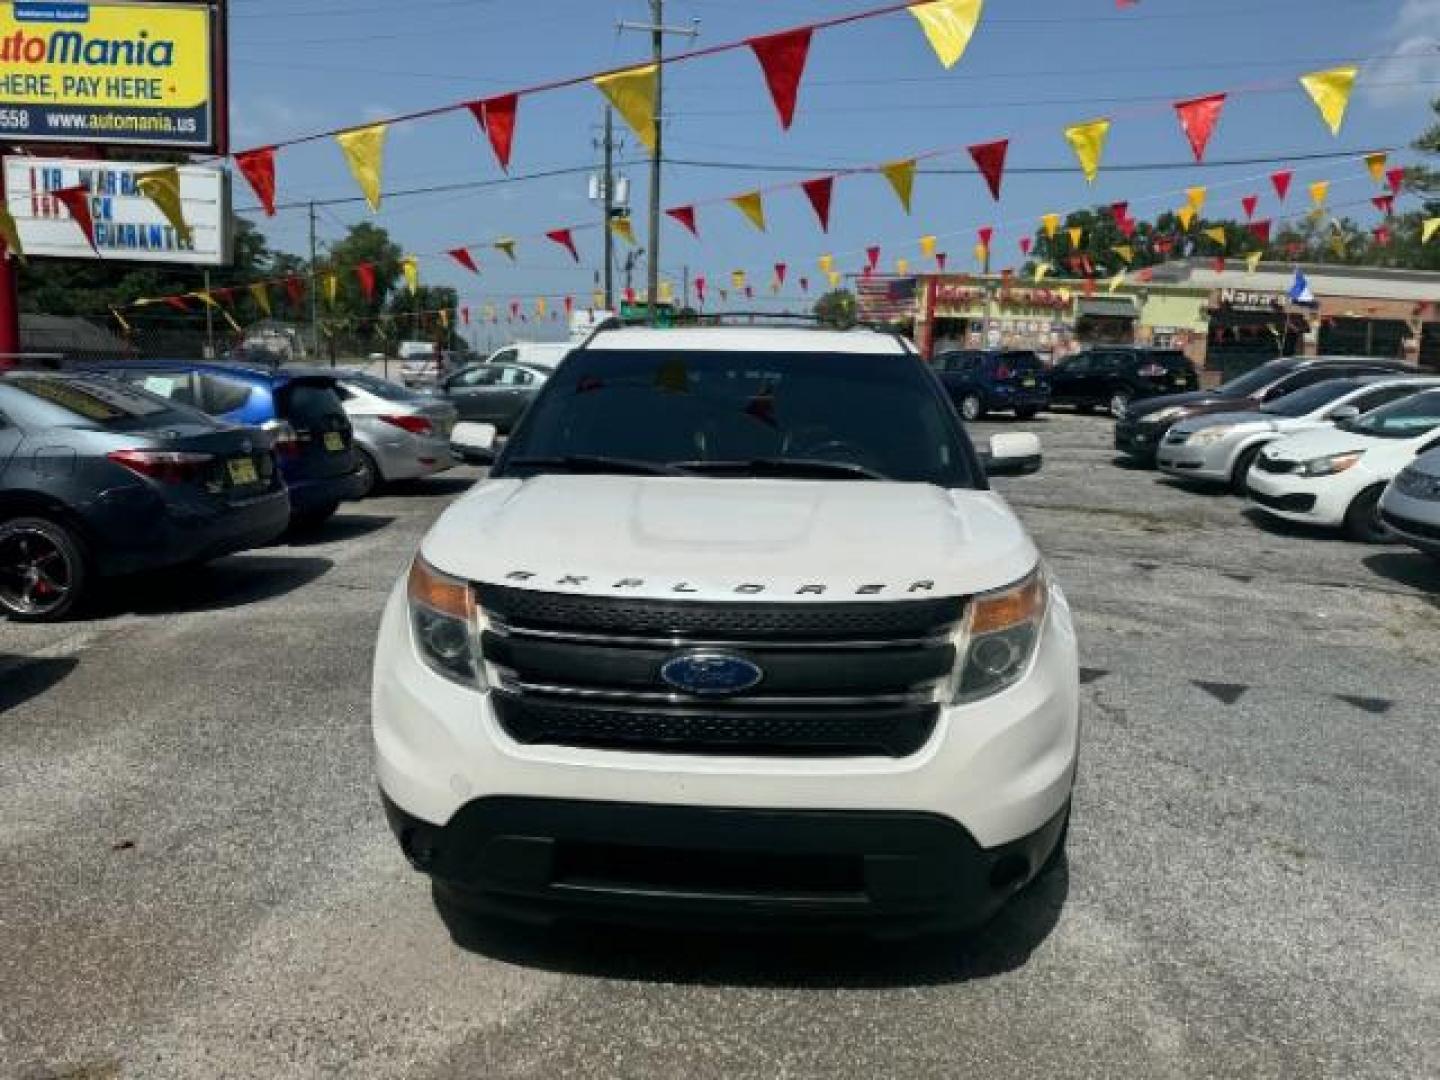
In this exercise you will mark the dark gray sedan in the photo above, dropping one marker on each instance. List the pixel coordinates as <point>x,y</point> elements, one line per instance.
<point>495,394</point>
<point>100,478</point>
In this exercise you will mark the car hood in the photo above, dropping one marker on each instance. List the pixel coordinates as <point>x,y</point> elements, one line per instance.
<point>1309,445</point>
<point>731,539</point>
<point>1260,421</point>
<point>1194,401</point>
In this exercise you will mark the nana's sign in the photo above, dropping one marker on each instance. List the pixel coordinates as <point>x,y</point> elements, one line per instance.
<point>1246,300</point>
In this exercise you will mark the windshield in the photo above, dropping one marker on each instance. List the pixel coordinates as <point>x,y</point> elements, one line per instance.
<point>1405,419</point>
<point>1252,381</point>
<point>867,415</point>
<point>1304,402</point>
<point>386,391</point>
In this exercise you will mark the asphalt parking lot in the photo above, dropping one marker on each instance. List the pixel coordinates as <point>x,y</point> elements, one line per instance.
<point>196,880</point>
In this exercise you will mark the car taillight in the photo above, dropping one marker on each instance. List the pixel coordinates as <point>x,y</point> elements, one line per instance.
<point>416,425</point>
<point>167,466</point>
<point>1003,372</point>
<point>1152,371</point>
<point>287,439</point>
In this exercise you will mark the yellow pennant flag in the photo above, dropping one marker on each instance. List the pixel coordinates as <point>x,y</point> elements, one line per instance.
<point>1117,281</point>
<point>1330,90</point>
<point>261,293</point>
<point>1428,229</point>
<point>332,288</point>
<point>622,227</point>
<point>1041,271</point>
<point>1337,244</point>
<point>948,26</point>
<point>981,253</point>
<point>1319,191</point>
<point>927,246</point>
<point>1186,214</point>
<point>665,292</point>
<point>365,153</point>
<point>833,276</point>
<point>1076,234</point>
<point>827,264</point>
<point>632,92</point>
<point>1376,164</point>
<point>1252,261</point>
<point>1196,197</point>
<point>1051,224</point>
<point>444,314</point>
<point>1066,295</point>
<point>902,266</point>
<point>506,245</point>
<point>210,301</point>
<point>540,308</point>
<point>901,175</point>
<point>411,266</point>
<point>10,234</point>
<point>1125,251</point>
<point>1088,142</point>
<point>737,279</point>
<point>1218,235</point>
<point>162,187</point>
<point>752,205</point>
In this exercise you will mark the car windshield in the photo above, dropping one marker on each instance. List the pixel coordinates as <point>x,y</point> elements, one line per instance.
<point>93,402</point>
<point>386,391</point>
<point>1252,381</point>
<point>1304,402</point>
<point>830,415</point>
<point>1408,418</point>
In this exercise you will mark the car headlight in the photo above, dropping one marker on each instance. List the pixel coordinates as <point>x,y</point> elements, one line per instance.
<point>997,639</point>
<point>1164,416</point>
<point>1211,435</point>
<point>446,624</point>
<point>1329,466</point>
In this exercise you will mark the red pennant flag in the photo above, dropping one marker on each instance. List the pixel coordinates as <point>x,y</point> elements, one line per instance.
<point>1145,275</point>
<point>177,303</point>
<point>1120,211</point>
<point>462,256</point>
<point>569,304</point>
<point>1127,228</point>
<point>1198,118</point>
<point>872,259</point>
<point>295,289</point>
<point>818,191</point>
<point>1219,264</point>
<point>1396,179</point>
<point>497,117</point>
<point>465,315</point>
<point>258,167</point>
<point>782,59</point>
<point>366,273</point>
<point>1163,244</point>
<point>780,269</point>
<point>77,200</point>
<point>1281,180</point>
<point>1250,203</point>
<point>1385,204</point>
<point>940,258</point>
<point>1382,236</point>
<point>564,238</point>
<point>805,284</point>
<point>990,160</point>
<point>1261,231</point>
<point>700,288</point>
<point>515,306</point>
<point>985,233</point>
<point>685,215</point>
<point>1293,249</point>
<point>1025,243</point>
<point>1089,286</point>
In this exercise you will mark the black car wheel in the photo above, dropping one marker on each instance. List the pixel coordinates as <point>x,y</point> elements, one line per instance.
<point>42,570</point>
<point>371,478</point>
<point>1242,470</point>
<point>971,408</point>
<point>1119,402</point>
<point>1362,520</point>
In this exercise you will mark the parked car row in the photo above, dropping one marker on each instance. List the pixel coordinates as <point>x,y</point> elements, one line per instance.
<point>120,468</point>
<point>1102,377</point>
<point>1344,443</point>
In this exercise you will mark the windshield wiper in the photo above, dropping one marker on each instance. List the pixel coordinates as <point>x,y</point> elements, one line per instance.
<point>594,463</point>
<point>796,467</point>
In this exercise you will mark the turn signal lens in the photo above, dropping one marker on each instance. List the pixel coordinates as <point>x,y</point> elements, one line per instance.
<point>1023,603</point>
<point>446,624</point>
<point>998,638</point>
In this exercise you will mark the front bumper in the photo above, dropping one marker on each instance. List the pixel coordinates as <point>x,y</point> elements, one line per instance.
<point>1211,462</point>
<point>1415,522</point>
<point>695,866</point>
<point>1138,440</point>
<point>1295,498</point>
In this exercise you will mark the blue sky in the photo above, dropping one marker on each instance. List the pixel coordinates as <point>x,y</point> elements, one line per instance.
<point>872,92</point>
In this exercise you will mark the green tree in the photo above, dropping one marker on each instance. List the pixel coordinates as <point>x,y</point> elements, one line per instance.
<point>836,309</point>
<point>406,325</point>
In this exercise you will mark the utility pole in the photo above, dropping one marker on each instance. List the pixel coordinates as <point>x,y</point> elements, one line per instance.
<point>657,30</point>
<point>609,205</point>
<point>209,321</point>
<point>314,290</point>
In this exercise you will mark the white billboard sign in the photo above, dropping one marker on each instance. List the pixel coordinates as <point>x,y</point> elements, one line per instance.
<point>128,226</point>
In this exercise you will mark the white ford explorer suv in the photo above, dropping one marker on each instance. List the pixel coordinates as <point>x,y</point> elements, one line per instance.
<point>734,632</point>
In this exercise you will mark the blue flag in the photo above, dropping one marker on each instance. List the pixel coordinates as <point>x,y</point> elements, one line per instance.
<point>1300,290</point>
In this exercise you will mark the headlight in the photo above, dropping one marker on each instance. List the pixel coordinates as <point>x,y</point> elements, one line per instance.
<point>1211,435</point>
<point>1329,466</point>
<point>446,625</point>
<point>1163,416</point>
<point>997,639</point>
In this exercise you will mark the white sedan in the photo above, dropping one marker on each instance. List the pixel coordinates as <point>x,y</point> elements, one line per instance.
<point>1335,477</point>
<point>1220,448</point>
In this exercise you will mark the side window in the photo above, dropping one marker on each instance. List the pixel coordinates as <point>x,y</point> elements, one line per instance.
<point>505,356</point>
<point>478,376</point>
<point>178,388</point>
<point>1106,363</point>
<point>220,395</point>
<point>1384,396</point>
<point>513,376</point>
<point>1083,364</point>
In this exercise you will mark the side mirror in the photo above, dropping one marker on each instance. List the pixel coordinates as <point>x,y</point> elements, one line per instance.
<point>474,444</point>
<point>1013,454</point>
<point>1345,412</point>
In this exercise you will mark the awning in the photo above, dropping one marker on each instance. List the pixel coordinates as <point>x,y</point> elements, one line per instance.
<point>1109,307</point>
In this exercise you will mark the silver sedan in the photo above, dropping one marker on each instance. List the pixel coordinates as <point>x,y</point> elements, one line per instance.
<point>400,434</point>
<point>1410,507</point>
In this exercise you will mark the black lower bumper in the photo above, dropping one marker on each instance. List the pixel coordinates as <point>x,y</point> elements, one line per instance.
<point>1136,442</point>
<point>702,866</point>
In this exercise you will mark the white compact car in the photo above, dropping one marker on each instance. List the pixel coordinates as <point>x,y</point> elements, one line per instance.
<point>1410,507</point>
<point>1335,477</point>
<point>1221,447</point>
<point>736,630</point>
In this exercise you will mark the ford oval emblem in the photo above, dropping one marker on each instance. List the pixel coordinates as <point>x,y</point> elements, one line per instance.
<point>711,673</point>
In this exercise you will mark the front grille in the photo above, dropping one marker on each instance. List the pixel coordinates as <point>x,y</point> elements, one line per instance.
<point>1276,465</point>
<point>1301,503</point>
<point>1410,526</point>
<point>840,679</point>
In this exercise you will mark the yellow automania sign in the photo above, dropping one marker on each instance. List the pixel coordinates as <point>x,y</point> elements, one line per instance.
<point>106,72</point>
